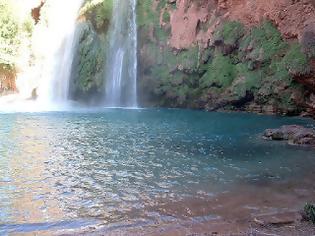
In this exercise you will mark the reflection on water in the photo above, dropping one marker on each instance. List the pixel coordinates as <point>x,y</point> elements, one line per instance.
<point>140,167</point>
<point>25,196</point>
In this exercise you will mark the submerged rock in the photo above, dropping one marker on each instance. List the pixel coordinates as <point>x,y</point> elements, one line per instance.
<point>278,219</point>
<point>294,134</point>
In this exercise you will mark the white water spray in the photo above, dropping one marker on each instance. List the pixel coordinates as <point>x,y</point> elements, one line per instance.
<point>58,51</point>
<point>121,65</point>
<point>53,47</point>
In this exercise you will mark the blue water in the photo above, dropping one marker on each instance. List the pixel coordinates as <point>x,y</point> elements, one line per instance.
<point>116,167</point>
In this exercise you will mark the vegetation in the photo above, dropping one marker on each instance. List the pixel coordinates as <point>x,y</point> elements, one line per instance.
<point>99,12</point>
<point>88,66</point>
<point>309,211</point>
<point>221,73</point>
<point>256,60</point>
<point>259,63</point>
<point>265,43</point>
<point>90,61</point>
<point>296,61</point>
<point>230,32</point>
<point>13,30</point>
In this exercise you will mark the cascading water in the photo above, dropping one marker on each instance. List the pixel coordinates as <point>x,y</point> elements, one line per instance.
<point>60,42</point>
<point>50,60</point>
<point>121,64</point>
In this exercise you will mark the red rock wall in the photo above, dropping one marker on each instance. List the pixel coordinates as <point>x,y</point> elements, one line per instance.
<point>291,17</point>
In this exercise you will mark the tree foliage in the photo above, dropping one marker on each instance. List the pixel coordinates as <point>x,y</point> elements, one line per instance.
<point>13,30</point>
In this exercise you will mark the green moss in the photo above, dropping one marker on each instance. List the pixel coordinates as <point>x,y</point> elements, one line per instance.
<point>145,14</point>
<point>89,62</point>
<point>166,17</point>
<point>99,12</point>
<point>174,73</point>
<point>148,18</point>
<point>259,64</point>
<point>221,73</point>
<point>230,32</point>
<point>160,34</point>
<point>188,59</point>
<point>160,72</point>
<point>265,42</point>
<point>246,80</point>
<point>278,71</point>
<point>296,61</point>
<point>175,90</point>
<point>161,4</point>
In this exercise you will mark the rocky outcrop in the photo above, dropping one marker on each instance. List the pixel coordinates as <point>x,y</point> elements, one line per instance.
<point>87,70</point>
<point>7,81</point>
<point>87,77</point>
<point>231,55</point>
<point>294,134</point>
<point>36,11</point>
<point>196,21</point>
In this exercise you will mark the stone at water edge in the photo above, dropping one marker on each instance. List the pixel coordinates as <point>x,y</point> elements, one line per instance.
<point>294,134</point>
<point>278,219</point>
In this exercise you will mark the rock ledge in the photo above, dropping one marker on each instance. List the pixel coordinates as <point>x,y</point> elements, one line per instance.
<point>294,134</point>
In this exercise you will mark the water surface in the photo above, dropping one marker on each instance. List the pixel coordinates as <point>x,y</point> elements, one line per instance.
<point>118,169</point>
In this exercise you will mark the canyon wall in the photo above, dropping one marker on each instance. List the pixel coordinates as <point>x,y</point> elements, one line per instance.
<point>228,54</point>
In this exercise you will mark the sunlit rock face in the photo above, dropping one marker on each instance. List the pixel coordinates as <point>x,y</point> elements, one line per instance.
<point>7,84</point>
<point>240,55</point>
<point>291,18</point>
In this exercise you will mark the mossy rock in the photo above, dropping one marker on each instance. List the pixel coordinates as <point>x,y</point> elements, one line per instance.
<point>99,13</point>
<point>88,66</point>
<point>263,43</point>
<point>296,61</point>
<point>220,73</point>
<point>230,32</point>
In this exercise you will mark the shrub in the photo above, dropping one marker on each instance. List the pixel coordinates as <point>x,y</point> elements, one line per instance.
<point>251,79</point>
<point>9,31</point>
<point>99,12</point>
<point>296,61</point>
<point>230,32</point>
<point>266,42</point>
<point>221,73</point>
<point>309,211</point>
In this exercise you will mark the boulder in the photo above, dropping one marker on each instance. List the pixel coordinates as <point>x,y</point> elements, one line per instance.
<point>294,134</point>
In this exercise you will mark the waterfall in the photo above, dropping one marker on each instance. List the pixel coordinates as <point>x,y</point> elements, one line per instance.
<point>57,55</point>
<point>49,60</point>
<point>121,58</point>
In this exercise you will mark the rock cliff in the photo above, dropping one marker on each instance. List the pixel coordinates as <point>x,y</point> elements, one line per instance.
<point>228,54</point>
